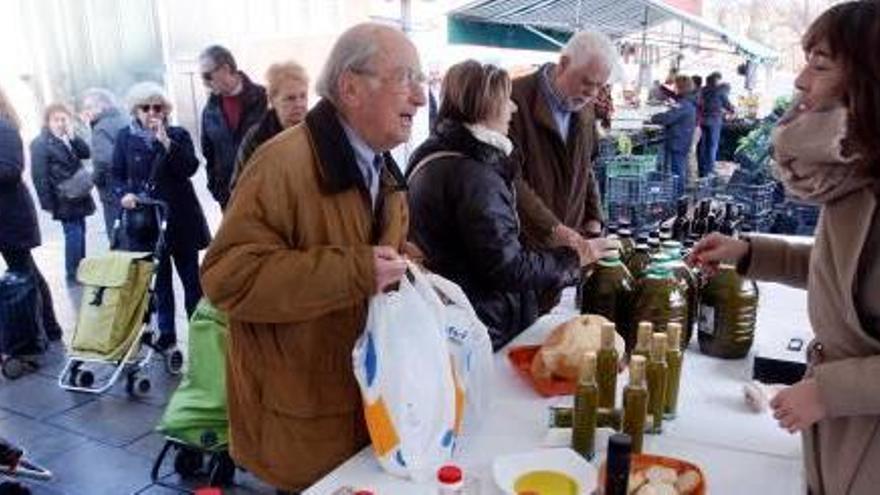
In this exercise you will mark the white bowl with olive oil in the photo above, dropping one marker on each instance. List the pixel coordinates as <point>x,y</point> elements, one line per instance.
<point>545,472</point>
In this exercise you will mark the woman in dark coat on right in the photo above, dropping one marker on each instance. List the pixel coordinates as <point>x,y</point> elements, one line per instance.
<point>463,208</point>
<point>19,231</point>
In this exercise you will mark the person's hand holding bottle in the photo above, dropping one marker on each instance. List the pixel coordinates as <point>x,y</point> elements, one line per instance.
<point>715,249</point>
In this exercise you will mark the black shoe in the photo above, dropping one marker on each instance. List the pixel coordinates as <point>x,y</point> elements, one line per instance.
<point>164,342</point>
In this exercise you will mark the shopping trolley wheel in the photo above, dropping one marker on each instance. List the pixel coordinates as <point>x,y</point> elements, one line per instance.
<point>137,385</point>
<point>221,470</point>
<point>187,462</point>
<point>12,368</point>
<point>83,378</point>
<point>174,361</point>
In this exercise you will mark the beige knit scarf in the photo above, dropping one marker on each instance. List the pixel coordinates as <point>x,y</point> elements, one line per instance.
<point>811,160</point>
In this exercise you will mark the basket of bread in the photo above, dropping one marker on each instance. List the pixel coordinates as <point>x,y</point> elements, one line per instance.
<point>553,367</point>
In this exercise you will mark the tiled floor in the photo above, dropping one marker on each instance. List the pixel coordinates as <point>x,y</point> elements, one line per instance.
<point>94,445</point>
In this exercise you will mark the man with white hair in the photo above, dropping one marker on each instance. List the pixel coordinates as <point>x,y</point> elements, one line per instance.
<point>100,110</point>
<point>555,138</point>
<point>314,228</point>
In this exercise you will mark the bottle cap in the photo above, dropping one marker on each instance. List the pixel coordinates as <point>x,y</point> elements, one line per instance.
<point>673,330</point>
<point>588,368</point>
<point>637,370</point>
<point>608,331</point>
<point>658,346</point>
<point>643,336</point>
<point>624,233</point>
<point>449,474</point>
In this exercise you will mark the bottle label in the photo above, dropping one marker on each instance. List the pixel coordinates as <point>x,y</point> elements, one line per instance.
<point>707,320</point>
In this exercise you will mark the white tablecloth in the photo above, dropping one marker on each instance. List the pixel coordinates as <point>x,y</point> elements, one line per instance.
<point>740,452</point>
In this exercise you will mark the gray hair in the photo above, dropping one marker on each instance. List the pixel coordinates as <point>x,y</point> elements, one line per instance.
<point>102,97</point>
<point>353,52</point>
<point>144,92</point>
<point>219,56</point>
<point>586,45</point>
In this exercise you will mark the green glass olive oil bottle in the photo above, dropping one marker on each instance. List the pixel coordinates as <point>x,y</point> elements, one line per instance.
<point>657,371</point>
<point>606,367</point>
<point>635,403</point>
<point>586,405</point>
<point>609,291</point>
<point>674,358</point>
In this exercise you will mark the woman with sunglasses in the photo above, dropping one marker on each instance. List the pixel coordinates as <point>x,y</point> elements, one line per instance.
<point>155,160</point>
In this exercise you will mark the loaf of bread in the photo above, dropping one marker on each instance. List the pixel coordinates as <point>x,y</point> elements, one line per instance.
<point>562,354</point>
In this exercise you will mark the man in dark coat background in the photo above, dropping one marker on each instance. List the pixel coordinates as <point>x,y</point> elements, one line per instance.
<point>99,109</point>
<point>235,105</point>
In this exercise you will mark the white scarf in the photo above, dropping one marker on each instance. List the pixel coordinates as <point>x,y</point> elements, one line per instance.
<point>491,137</point>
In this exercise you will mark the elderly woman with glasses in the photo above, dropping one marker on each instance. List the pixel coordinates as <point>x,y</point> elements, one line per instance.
<point>156,160</point>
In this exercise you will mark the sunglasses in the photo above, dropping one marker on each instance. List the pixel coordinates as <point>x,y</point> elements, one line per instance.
<point>155,107</point>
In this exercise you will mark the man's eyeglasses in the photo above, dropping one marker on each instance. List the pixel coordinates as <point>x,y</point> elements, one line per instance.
<point>208,75</point>
<point>155,107</point>
<point>402,77</point>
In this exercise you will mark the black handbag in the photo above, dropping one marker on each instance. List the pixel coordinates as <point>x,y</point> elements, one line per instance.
<point>141,224</point>
<point>77,186</point>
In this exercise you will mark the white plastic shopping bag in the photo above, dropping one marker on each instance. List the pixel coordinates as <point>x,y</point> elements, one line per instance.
<point>403,368</point>
<point>470,347</point>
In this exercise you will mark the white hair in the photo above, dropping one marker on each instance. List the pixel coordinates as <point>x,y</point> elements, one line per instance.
<point>101,97</point>
<point>145,92</point>
<point>353,52</point>
<point>584,46</point>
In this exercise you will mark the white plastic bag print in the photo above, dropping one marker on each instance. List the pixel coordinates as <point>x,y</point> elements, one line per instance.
<point>403,368</point>
<point>470,347</point>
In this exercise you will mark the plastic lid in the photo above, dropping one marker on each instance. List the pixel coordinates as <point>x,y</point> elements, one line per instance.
<point>449,474</point>
<point>624,233</point>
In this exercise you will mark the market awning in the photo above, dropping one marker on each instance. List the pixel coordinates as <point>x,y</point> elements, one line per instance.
<point>546,24</point>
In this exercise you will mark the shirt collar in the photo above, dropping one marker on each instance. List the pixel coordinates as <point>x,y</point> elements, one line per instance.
<point>556,100</point>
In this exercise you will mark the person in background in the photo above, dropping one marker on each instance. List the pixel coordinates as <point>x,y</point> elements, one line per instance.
<point>604,107</point>
<point>288,90</point>
<point>236,104</point>
<point>19,230</point>
<point>555,140</point>
<point>827,151</point>
<point>693,154</point>
<point>463,208</point>
<point>714,104</point>
<point>315,228</point>
<point>155,159</point>
<point>99,109</point>
<point>679,123</point>
<point>56,157</point>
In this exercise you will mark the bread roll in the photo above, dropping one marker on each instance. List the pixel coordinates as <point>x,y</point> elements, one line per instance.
<point>562,354</point>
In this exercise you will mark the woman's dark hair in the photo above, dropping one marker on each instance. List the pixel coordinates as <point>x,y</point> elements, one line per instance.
<point>850,30</point>
<point>473,92</point>
<point>712,79</point>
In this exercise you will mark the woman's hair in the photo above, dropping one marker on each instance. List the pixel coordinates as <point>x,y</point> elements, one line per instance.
<point>473,92</point>
<point>147,92</point>
<point>282,72</point>
<point>7,112</point>
<point>684,83</point>
<point>54,108</point>
<point>850,29</point>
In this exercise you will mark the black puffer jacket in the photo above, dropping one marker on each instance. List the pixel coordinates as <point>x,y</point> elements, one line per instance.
<point>463,216</point>
<point>53,162</point>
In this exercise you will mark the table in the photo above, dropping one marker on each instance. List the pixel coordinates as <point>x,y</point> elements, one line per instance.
<point>739,451</point>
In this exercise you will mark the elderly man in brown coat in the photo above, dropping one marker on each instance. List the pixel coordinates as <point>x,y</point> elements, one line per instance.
<point>555,140</point>
<point>313,229</point>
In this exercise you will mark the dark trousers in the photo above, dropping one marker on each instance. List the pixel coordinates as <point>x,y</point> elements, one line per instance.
<point>74,245</point>
<point>707,150</point>
<point>21,261</point>
<point>676,162</point>
<point>111,207</point>
<point>187,265</point>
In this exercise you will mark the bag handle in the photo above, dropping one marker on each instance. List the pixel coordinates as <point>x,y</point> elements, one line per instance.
<point>418,167</point>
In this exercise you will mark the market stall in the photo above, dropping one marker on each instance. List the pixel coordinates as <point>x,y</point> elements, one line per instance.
<point>739,451</point>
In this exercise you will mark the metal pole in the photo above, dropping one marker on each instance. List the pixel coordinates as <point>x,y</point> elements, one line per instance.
<point>406,16</point>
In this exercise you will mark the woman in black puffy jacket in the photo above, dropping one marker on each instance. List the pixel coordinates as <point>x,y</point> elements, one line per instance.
<point>463,209</point>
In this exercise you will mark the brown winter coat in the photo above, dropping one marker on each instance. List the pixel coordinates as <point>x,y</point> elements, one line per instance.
<point>292,265</point>
<point>842,451</point>
<point>557,184</point>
